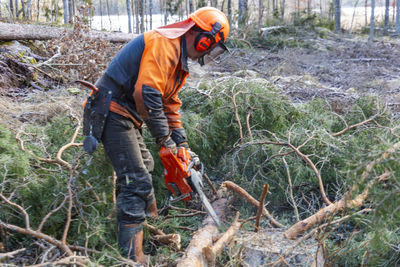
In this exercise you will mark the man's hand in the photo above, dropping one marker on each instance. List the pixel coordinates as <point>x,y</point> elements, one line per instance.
<point>167,142</point>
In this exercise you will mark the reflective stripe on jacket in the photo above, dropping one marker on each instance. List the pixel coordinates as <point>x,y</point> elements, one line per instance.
<point>145,77</point>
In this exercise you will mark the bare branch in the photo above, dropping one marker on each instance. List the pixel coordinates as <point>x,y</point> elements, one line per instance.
<point>261,206</point>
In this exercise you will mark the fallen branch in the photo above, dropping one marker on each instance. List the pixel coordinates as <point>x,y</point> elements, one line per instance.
<point>322,214</point>
<point>170,239</point>
<point>166,239</point>
<point>38,235</point>
<point>234,187</point>
<point>261,205</point>
<point>11,254</point>
<point>304,157</point>
<point>372,119</point>
<point>210,252</point>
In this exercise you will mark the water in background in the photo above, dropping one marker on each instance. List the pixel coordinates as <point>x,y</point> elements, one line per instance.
<point>120,23</point>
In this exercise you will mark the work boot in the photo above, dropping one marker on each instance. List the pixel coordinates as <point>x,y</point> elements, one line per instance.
<point>152,210</point>
<point>130,239</point>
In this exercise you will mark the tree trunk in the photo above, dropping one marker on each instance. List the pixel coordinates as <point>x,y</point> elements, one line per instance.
<point>151,13</point>
<point>16,7</point>
<point>283,9</point>
<point>337,16</point>
<point>372,26</point>
<point>28,9</point>
<point>366,12</point>
<point>137,16</point>
<point>128,10</point>
<point>37,10</point>
<point>230,11</point>
<point>10,31</point>
<point>65,7</point>
<point>242,12</point>
<point>71,11</point>
<point>101,14</point>
<point>191,10</point>
<point>141,10</point>
<point>387,5</point>
<point>56,12</point>
<point>398,16</point>
<point>352,18</point>
<point>12,8</point>
<point>108,14</point>
<point>260,13</point>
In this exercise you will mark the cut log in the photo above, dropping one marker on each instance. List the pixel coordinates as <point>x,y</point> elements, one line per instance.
<point>203,237</point>
<point>9,32</point>
<point>211,252</point>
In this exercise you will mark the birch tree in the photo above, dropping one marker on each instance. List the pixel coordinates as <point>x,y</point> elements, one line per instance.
<point>354,14</point>
<point>191,10</point>
<point>128,11</point>
<point>260,12</point>
<point>337,16</point>
<point>28,9</point>
<point>66,11</point>
<point>372,25</point>
<point>12,8</point>
<point>151,13</point>
<point>141,14</point>
<point>101,13</point>
<point>398,16</point>
<point>242,11</point>
<point>386,27</point>
<point>230,11</point>
<point>37,10</point>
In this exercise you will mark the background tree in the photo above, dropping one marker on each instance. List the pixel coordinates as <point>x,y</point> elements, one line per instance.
<point>372,26</point>
<point>191,9</point>
<point>230,10</point>
<point>242,12</point>
<point>387,5</point>
<point>397,16</point>
<point>128,11</point>
<point>66,11</point>
<point>337,16</point>
<point>260,12</point>
<point>12,8</point>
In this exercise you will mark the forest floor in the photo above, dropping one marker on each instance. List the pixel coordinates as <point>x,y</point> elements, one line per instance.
<point>336,68</point>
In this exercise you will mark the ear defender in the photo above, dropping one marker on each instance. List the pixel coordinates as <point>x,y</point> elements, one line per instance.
<point>205,40</point>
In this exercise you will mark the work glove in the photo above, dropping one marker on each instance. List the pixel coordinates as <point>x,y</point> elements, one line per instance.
<point>167,142</point>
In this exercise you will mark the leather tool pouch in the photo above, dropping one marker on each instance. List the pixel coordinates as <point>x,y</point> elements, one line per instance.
<point>94,117</point>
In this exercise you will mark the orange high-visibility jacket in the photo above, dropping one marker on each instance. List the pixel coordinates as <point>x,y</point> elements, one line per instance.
<point>145,77</point>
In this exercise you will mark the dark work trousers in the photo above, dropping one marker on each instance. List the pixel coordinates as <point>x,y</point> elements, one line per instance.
<point>133,164</point>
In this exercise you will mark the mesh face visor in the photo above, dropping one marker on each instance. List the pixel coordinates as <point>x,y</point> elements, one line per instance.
<point>214,54</point>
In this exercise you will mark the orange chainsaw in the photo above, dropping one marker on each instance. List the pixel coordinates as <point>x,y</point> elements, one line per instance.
<point>183,179</point>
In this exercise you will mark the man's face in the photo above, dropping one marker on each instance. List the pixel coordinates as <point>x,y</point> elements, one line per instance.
<point>193,54</point>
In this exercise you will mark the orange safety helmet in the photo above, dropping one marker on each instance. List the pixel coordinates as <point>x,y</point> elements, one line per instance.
<point>215,25</point>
